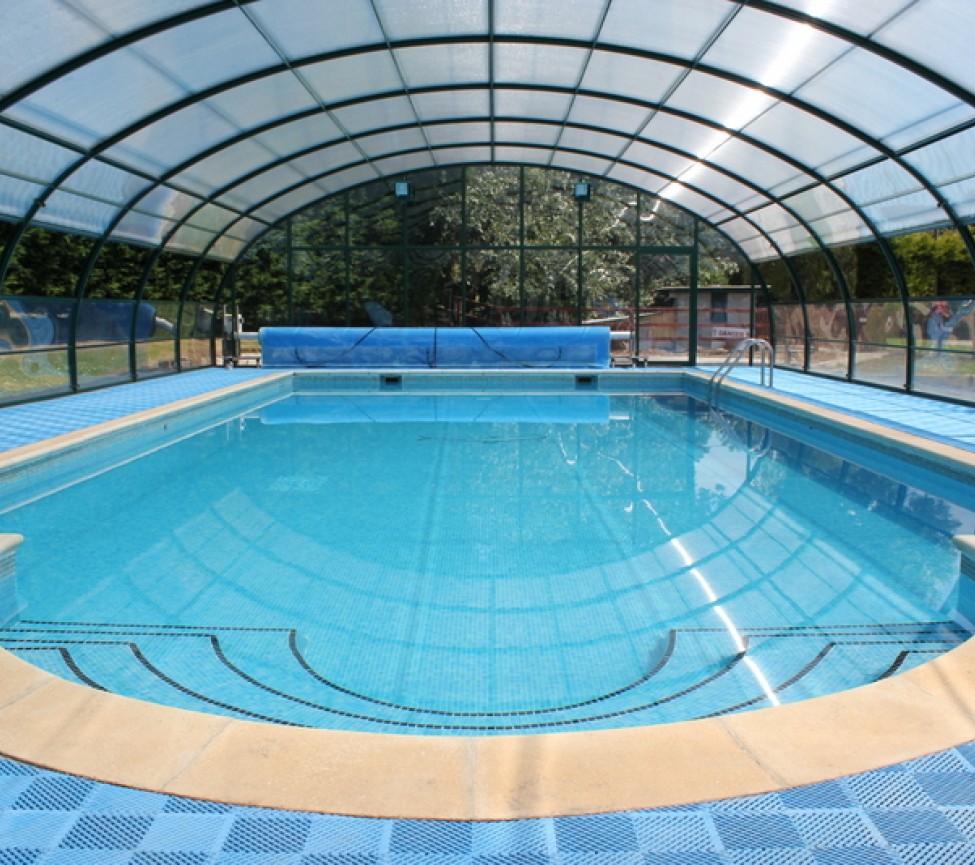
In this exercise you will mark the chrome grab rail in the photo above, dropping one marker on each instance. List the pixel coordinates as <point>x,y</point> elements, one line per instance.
<point>766,354</point>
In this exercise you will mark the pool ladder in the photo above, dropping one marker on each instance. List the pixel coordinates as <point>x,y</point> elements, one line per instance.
<point>766,357</point>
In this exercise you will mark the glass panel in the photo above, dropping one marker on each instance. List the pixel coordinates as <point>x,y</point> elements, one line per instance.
<point>944,356</point>
<point>789,328</point>
<point>611,217</point>
<point>609,295</point>
<point>374,217</point>
<point>47,263</point>
<point>492,295</point>
<point>194,344</point>
<point>591,165</point>
<point>292,201</point>
<point>433,278</point>
<point>935,264</point>
<point>664,317</point>
<point>551,213</point>
<point>31,374</point>
<point>724,318</point>
<point>867,271</point>
<point>829,338</point>
<point>881,343</point>
<point>779,281</point>
<point>376,287</point>
<point>863,17</point>
<point>321,225</point>
<point>551,286</point>
<point>102,365</point>
<point>118,271</point>
<point>493,206</point>
<point>460,133</point>
<point>527,133</point>
<point>529,104</point>
<point>318,292</point>
<point>31,157</point>
<point>155,357</point>
<point>262,186</point>
<point>434,214</point>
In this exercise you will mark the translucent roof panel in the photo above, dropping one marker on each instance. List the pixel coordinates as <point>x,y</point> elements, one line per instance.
<point>807,101</point>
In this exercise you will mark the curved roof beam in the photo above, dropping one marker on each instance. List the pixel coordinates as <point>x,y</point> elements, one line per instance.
<point>166,111</point>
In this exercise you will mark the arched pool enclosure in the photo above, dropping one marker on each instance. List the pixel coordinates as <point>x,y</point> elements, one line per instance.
<point>684,171</point>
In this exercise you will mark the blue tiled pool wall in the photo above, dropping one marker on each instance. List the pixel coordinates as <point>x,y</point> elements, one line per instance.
<point>916,813</point>
<point>89,457</point>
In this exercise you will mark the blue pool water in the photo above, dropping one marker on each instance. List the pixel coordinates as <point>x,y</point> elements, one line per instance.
<point>484,564</point>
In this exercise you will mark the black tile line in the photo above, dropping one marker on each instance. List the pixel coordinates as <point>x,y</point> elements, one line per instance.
<point>138,627</point>
<point>724,670</point>
<point>69,662</point>
<point>808,668</point>
<point>661,663</point>
<point>899,661</point>
<point>142,659</point>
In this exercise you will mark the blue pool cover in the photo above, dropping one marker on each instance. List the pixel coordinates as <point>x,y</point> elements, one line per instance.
<point>436,347</point>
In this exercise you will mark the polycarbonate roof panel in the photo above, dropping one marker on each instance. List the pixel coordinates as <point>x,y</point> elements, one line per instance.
<point>202,53</point>
<point>575,162</point>
<point>863,16</point>
<point>430,66</point>
<point>425,18</point>
<point>16,196</point>
<point>774,51</point>
<point>460,133</point>
<point>681,29</point>
<point>938,34</point>
<point>309,28</point>
<point>552,65</point>
<point>626,76</point>
<point>32,158</point>
<point>215,92</point>
<point>875,95</point>
<point>537,104</point>
<point>451,103</point>
<point>51,23</point>
<point>609,114</point>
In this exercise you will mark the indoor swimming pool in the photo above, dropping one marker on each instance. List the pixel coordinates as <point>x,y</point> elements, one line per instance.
<point>481,563</point>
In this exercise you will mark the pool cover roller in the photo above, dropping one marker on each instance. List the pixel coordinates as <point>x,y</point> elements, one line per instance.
<point>436,347</point>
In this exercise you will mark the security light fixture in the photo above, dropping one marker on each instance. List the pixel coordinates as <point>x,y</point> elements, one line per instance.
<point>582,191</point>
<point>403,190</point>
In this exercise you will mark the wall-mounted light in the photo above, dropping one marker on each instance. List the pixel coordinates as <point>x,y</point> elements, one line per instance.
<point>403,190</point>
<point>582,190</point>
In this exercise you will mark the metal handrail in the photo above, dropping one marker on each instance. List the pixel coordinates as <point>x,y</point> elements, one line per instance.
<point>766,353</point>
